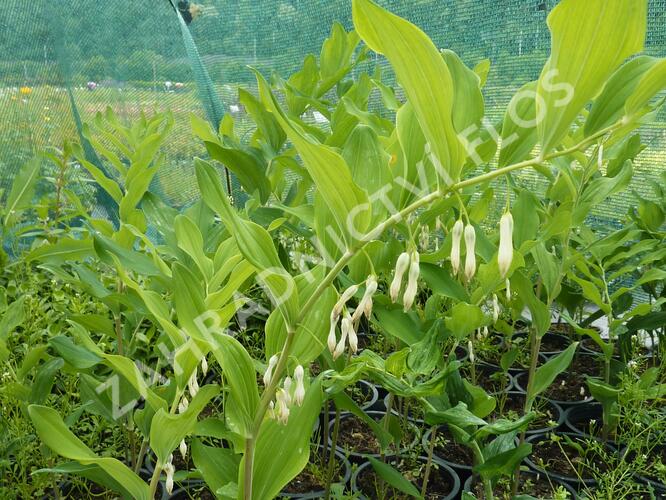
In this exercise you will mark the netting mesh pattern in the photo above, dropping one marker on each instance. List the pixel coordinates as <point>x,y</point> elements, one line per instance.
<point>131,50</point>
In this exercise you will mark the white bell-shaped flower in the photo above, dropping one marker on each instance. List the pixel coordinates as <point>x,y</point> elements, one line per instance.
<point>470,249</point>
<point>268,374</point>
<point>299,390</point>
<point>412,282</point>
<point>456,237</point>
<point>505,252</point>
<point>401,266</point>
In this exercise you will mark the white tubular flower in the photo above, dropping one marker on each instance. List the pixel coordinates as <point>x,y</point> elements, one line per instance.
<point>353,340</point>
<point>496,308</point>
<point>299,391</point>
<point>456,236</point>
<point>204,366</point>
<point>183,449</point>
<point>424,239</point>
<point>268,374</point>
<point>346,326</point>
<point>344,298</point>
<point>401,267</point>
<point>412,282</point>
<point>169,470</point>
<point>470,257</point>
<point>505,253</point>
<point>271,410</point>
<point>484,332</point>
<point>365,305</point>
<point>332,340</point>
<point>601,155</point>
<point>508,289</point>
<point>192,384</point>
<point>287,389</point>
<point>282,409</point>
<point>182,406</point>
<point>470,348</point>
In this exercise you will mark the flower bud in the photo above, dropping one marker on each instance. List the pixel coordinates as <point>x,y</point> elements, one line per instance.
<point>287,390</point>
<point>470,257</point>
<point>268,374</point>
<point>299,391</point>
<point>412,282</point>
<point>204,366</point>
<point>505,252</point>
<point>496,309</point>
<point>424,238</point>
<point>182,406</point>
<point>344,298</point>
<point>332,340</point>
<point>192,384</point>
<point>169,470</point>
<point>365,306</point>
<point>470,348</point>
<point>183,449</point>
<point>345,327</point>
<point>401,267</point>
<point>282,408</point>
<point>456,235</point>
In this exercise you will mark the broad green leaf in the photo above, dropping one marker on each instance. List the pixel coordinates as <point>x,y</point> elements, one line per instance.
<point>111,252</point>
<point>191,242</point>
<point>218,466</point>
<point>167,430</point>
<point>242,399</point>
<point>55,434</point>
<point>247,167</point>
<point>468,107</point>
<point>546,374</point>
<point>442,283</point>
<point>253,241</point>
<point>652,82</point>
<point>464,319</point>
<point>282,451</point>
<point>548,269</point>
<point>398,324</point>
<point>329,171</point>
<point>539,311</point>
<point>519,133</point>
<point>75,355</point>
<point>23,189</point>
<point>526,218</point>
<point>12,317</point>
<point>335,57</point>
<point>267,125</point>
<point>422,73</point>
<point>589,40</point>
<point>63,250</point>
<point>609,107</point>
<point>503,464</point>
<point>393,477</point>
<point>459,416</point>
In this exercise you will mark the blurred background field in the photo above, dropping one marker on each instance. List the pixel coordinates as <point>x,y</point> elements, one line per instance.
<point>130,50</point>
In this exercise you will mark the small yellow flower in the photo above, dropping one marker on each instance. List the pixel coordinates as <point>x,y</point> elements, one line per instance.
<point>25,90</point>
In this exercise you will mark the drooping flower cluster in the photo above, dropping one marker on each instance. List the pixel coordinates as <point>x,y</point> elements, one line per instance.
<point>291,392</point>
<point>169,471</point>
<point>406,261</point>
<point>349,323</point>
<point>459,231</point>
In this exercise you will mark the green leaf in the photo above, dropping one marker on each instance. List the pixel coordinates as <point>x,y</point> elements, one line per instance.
<point>609,107</point>
<point>167,430</point>
<point>218,466</point>
<point>393,477</point>
<point>253,241</point>
<point>63,250</point>
<point>540,311</point>
<point>459,416</point>
<point>55,434</point>
<point>77,356</point>
<point>283,450</point>
<point>247,167</point>
<point>23,189</point>
<point>12,317</point>
<point>347,202</point>
<point>546,374</point>
<point>519,133</point>
<point>442,283</point>
<point>242,399</point>
<point>468,107</point>
<point>589,41</point>
<point>191,242</point>
<point>465,319</point>
<point>652,82</point>
<point>503,464</point>
<point>548,268</point>
<point>424,76</point>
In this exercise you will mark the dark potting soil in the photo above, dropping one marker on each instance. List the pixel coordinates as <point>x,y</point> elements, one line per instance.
<point>357,437</point>
<point>511,406</point>
<point>591,345</point>
<point>439,482</point>
<point>536,486</point>
<point>554,343</point>
<point>567,461</point>
<point>198,493</point>
<point>447,449</point>
<point>561,328</point>
<point>313,477</point>
<point>567,386</point>
<point>84,489</point>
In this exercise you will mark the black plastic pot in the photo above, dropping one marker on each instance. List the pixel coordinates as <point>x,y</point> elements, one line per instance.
<point>513,371</point>
<point>472,479</point>
<point>455,491</point>
<point>464,470</point>
<point>563,340</point>
<point>373,403</point>
<point>578,419</point>
<point>659,488</point>
<point>320,494</point>
<point>558,414</point>
<point>520,384</point>
<point>358,456</point>
<point>573,481</point>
